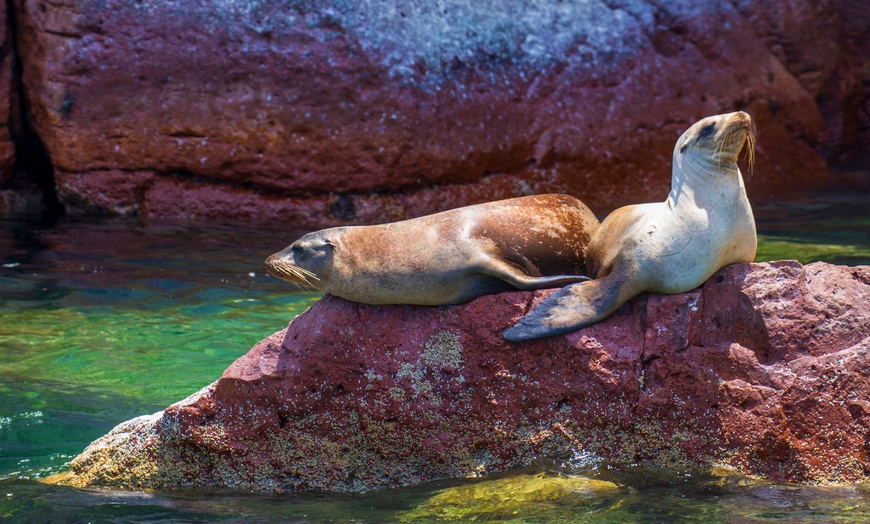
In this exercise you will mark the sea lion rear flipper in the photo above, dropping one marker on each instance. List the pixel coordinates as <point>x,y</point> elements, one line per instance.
<point>568,309</point>
<point>529,283</point>
<point>491,285</point>
<point>516,277</point>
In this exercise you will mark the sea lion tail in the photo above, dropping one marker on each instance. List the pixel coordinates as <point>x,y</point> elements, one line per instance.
<point>570,308</point>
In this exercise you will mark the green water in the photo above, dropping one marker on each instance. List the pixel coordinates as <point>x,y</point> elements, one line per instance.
<point>105,320</point>
<point>831,227</point>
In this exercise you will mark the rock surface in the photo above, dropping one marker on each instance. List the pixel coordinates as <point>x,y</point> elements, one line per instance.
<point>334,112</point>
<point>7,149</point>
<point>765,369</point>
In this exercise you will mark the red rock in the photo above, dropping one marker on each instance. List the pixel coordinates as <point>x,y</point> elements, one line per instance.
<point>339,112</point>
<point>764,369</point>
<point>7,148</point>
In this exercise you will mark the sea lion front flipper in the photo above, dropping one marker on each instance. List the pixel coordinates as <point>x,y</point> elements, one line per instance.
<point>568,309</point>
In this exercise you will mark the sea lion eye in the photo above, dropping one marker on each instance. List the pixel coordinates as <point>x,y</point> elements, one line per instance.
<point>707,131</point>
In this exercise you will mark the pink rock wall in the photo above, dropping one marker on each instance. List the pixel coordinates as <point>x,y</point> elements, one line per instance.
<point>340,112</point>
<point>765,369</point>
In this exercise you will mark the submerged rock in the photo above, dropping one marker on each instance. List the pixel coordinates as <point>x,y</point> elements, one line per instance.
<point>764,369</point>
<point>517,498</point>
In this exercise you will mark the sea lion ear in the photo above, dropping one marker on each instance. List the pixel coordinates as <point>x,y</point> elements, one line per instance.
<point>684,146</point>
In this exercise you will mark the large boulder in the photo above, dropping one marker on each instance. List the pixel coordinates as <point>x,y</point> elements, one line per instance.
<point>764,369</point>
<point>333,112</point>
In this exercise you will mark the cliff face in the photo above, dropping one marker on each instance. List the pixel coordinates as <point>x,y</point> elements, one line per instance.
<point>764,369</point>
<point>333,112</point>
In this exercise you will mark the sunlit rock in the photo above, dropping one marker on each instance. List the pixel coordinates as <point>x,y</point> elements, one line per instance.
<point>764,369</point>
<point>332,112</point>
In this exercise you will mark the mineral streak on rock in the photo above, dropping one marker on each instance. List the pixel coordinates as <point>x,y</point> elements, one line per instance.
<point>764,369</point>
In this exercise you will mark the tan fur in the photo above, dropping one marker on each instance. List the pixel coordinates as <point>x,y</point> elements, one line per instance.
<point>449,257</point>
<point>668,247</point>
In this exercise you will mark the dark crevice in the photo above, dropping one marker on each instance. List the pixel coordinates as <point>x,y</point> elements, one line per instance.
<point>32,159</point>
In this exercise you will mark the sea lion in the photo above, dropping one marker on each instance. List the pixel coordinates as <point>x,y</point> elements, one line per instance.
<point>447,258</point>
<point>668,247</point>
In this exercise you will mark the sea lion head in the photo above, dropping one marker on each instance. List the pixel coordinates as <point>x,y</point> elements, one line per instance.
<point>717,140</point>
<point>306,261</point>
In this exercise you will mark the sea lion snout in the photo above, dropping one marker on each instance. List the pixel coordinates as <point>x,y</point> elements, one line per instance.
<point>741,116</point>
<point>274,263</point>
<point>282,265</point>
<point>739,131</point>
<point>739,120</point>
<point>277,264</point>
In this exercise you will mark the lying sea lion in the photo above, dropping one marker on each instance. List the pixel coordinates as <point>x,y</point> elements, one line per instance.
<point>447,258</point>
<point>669,247</point>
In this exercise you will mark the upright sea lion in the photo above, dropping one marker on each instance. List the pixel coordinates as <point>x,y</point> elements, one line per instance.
<point>447,258</point>
<point>669,247</point>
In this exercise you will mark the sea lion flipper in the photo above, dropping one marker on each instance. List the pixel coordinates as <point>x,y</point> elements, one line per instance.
<point>570,308</point>
<point>527,283</point>
<point>514,276</point>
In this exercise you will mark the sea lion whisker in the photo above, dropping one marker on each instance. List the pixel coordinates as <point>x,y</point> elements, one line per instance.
<point>287,273</point>
<point>297,285</point>
<point>303,271</point>
<point>290,270</point>
<point>305,278</point>
<point>307,282</point>
<point>750,149</point>
<point>302,275</point>
<point>303,284</point>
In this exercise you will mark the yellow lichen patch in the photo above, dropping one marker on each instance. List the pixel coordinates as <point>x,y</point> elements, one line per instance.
<point>724,470</point>
<point>514,497</point>
<point>102,468</point>
<point>67,478</point>
<point>116,459</point>
<point>443,350</point>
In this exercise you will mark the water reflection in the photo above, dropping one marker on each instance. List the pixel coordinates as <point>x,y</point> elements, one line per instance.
<point>542,494</point>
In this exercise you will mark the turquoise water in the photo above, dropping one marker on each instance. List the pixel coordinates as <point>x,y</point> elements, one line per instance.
<point>105,320</point>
